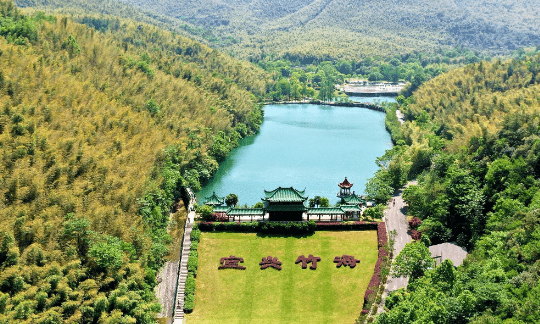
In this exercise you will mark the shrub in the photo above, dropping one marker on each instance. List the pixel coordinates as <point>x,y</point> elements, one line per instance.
<point>414,223</point>
<point>415,235</point>
<point>195,235</point>
<point>375,282</point>
<point>189,302</point>
<point>345,226</point>
<point>193,262</point>
<point>285,228</point>
<point>190,284</point>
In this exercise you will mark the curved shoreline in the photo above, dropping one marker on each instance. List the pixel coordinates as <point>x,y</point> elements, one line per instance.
<point>329,103</point>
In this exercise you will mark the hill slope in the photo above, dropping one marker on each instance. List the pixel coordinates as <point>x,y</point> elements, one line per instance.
<point>354,29</point>
<point>473,146</point>
<point>310,30</point>
<point>98,132</point>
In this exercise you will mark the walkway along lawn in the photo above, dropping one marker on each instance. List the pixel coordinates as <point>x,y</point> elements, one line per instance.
<point>292,295</point>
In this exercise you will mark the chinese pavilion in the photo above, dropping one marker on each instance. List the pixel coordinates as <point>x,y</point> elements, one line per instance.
<point>285,204</point>
<point>353,199</point>
<point>344,188</point>
<point>214,200</point>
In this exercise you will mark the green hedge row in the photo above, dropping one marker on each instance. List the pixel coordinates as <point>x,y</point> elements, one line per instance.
<point>193,264</point>
<point>189,299</point>
<point>286,228</point>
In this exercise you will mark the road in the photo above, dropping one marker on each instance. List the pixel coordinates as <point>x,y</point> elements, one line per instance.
<point>396,219</point>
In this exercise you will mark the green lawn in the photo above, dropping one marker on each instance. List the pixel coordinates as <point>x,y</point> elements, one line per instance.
<point>292,295</point>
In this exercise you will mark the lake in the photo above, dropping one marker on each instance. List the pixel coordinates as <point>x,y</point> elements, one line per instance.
<point>305,146</point>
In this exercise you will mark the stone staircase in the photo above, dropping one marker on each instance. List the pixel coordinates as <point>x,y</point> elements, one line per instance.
<point>183,270</point>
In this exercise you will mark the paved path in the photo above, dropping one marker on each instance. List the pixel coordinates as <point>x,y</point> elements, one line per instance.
<point>182,274</point>
<point>396,219</point>
<point>400,117</point>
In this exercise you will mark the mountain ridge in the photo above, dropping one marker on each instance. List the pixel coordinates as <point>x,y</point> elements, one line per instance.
<point>505,25</point>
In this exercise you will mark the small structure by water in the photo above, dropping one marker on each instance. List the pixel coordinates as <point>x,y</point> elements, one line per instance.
<point>289,204</point>
<point>214,200</point>
<point>373,89</point>
<point>345,188</point>
<point>285,204</point>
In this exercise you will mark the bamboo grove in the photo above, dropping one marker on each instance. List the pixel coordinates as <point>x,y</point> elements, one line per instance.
<point>98,132</point>
<point>471,141</point>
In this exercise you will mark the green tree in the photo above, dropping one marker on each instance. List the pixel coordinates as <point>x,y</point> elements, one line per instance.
<point>324,202</point>
<point>77,231</point>
<point>107,255</point>
<point>344,67</point>
<point>205,212</point>
<point>413,261</point>
<point>72,47</point>
<point>315,201</point>
<point>283,87</point>
<point>379,187</point>
<point>231,199</point>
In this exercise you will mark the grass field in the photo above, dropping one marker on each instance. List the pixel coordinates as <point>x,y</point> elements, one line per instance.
<point>292,295</point>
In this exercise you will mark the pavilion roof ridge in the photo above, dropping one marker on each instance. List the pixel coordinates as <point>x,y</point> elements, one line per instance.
<point>346,184</point>
<point>281,194</point>
<point>354,199</point>
<point>214,200</point>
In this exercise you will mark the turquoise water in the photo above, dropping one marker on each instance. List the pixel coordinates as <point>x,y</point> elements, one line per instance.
<point>304,146</point>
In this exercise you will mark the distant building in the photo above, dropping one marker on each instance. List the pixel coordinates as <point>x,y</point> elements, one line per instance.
<point>451,251</point>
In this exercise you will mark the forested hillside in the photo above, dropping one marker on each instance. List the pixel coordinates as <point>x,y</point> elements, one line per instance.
<point>472,143</point>
<point>333,29</point>
<point>98,132</point>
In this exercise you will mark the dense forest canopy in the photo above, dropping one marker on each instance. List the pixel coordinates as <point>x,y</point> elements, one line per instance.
<point>103,120</point>
<point>333,29</point>
<point>100,127</point>
<point>471,141</point>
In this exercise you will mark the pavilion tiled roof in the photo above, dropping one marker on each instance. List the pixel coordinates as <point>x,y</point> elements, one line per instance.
<point>285,195</point>
<point>354,200</point>
<point>245,212</point>
<point>221,209</point>
<point>350,208</point>
<point>325,211</point>
<point>214,200</point>
<point>346,184</point>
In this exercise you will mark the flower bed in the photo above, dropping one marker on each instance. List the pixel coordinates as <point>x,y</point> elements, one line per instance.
<point>375,282</point>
